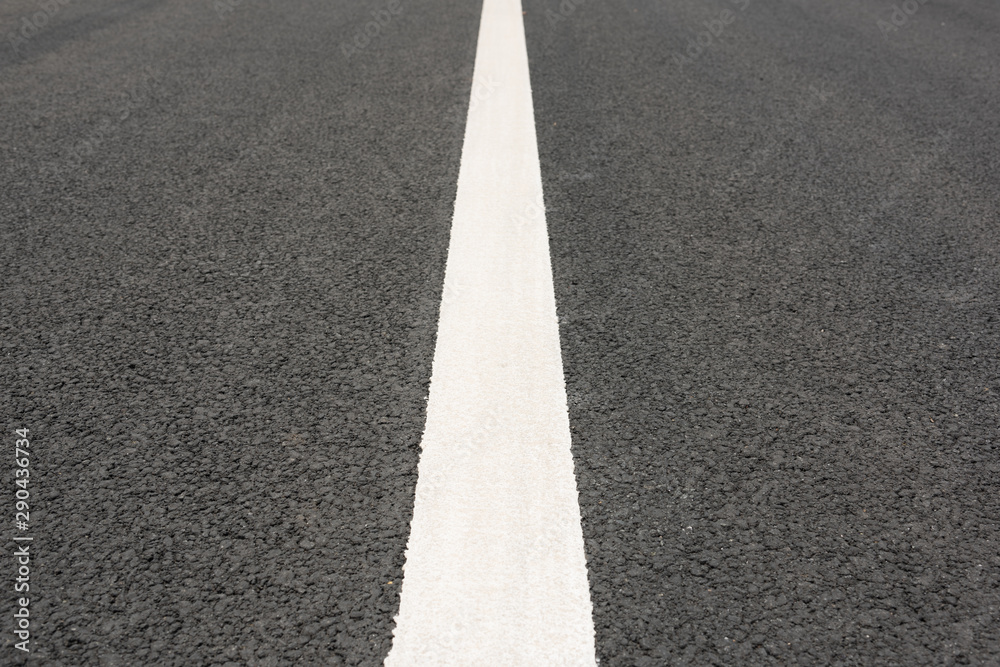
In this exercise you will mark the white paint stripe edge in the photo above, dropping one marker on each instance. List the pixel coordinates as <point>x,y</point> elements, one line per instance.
<point>495,568</point>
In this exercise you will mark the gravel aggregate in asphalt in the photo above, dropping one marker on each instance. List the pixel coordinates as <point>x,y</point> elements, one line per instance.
<point>776,268</point>
<point>223,249</point>
<point>223,229</point>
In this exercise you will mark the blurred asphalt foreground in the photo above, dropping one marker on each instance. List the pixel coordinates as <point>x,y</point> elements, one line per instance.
<point>774,236</point>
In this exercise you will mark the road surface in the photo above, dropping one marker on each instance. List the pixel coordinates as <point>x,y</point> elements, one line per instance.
<point>773,233</point>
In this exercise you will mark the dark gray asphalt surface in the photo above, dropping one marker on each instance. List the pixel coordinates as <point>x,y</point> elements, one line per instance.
<point>777,271</point>
<point>776,264</point>
<point>219,317</point>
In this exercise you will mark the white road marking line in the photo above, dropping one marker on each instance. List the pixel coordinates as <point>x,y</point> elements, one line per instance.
<point>495,569</point>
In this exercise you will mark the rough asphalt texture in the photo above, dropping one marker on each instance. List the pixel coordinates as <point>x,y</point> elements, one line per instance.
<point>219,321</point>
<point>776,264</point>
<point>778,288</point>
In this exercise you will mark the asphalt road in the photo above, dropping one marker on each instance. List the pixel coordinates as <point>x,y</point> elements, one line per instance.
<point>775,250</point>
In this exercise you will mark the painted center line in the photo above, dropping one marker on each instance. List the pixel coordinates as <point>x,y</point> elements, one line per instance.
<point>495,569</point>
